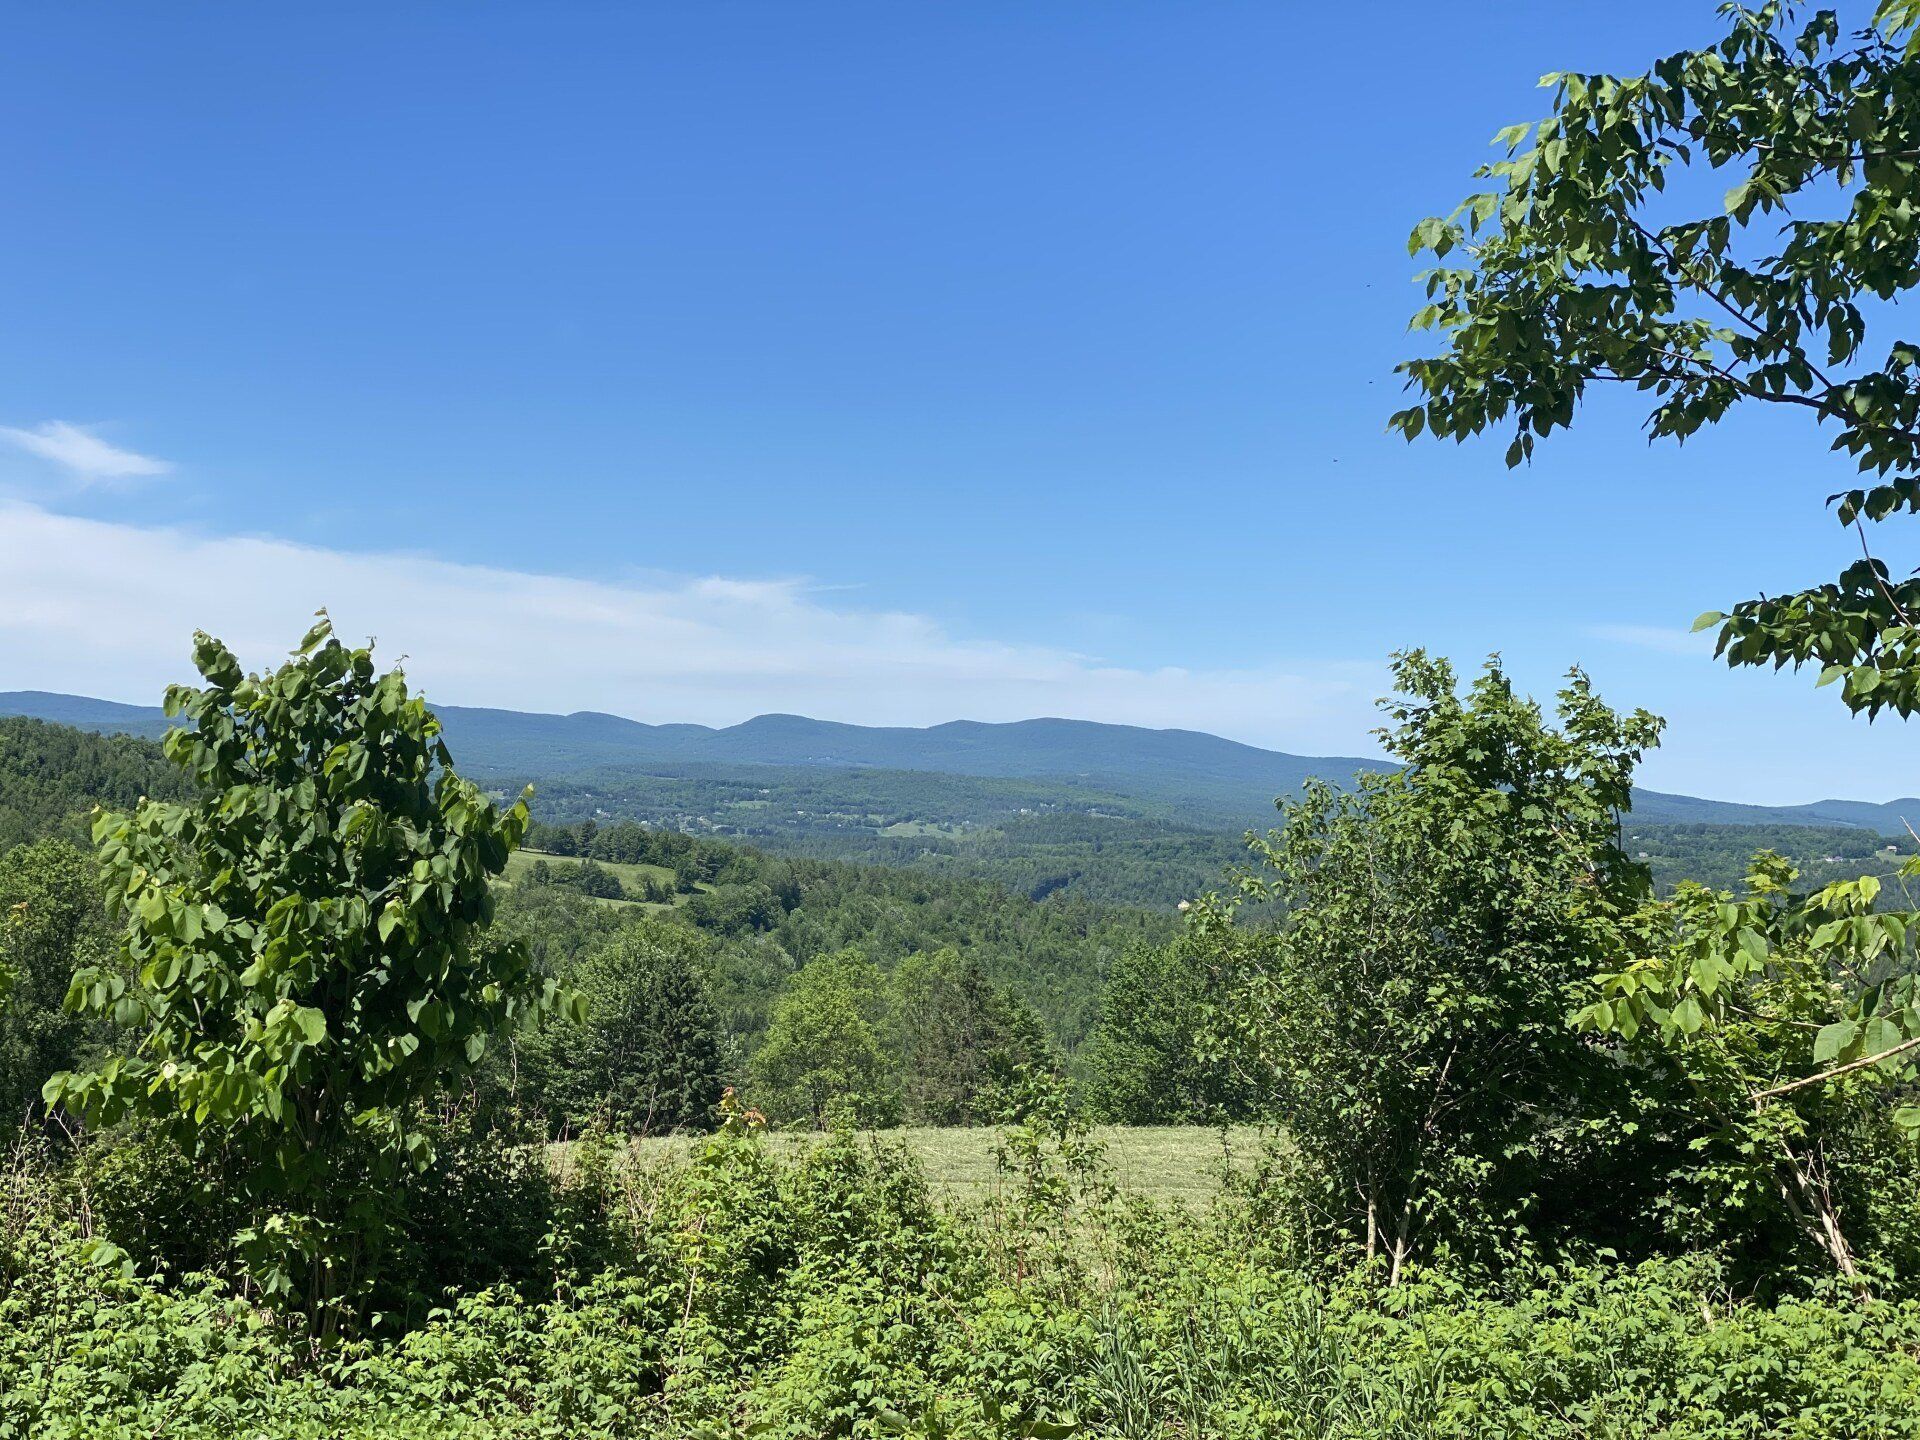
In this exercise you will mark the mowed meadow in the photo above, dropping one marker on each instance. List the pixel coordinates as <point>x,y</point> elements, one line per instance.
<point>967,1166</point>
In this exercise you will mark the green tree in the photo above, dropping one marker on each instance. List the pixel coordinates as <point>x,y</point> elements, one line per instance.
<point>1149,1061</point>
<point>1407,1019</point>
<point>1789,1025</point>
<point>1586,262</point>
<point>305,954</point>
<point>51,924</point>
<point>736,909</point>
<point>826,1050</point>
<point>961,1040</point>
<point>647,1057</point>
<point>593,879</point>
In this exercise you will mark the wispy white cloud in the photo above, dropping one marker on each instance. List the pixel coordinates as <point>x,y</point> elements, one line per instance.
<point>1668,641</point>
<point>83,455</point>
<point>107,609</point>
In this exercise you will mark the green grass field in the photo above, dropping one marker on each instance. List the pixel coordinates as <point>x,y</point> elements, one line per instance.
<point>521,861</point>
<point>631,876</point>
<point>1162,1163</point>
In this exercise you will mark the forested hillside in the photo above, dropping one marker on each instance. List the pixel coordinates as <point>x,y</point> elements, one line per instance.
<point>1042,909</point>
<point>1176,774</point>
<point>788,776</point>
<point>1115,839</point>
<point>1052,955</point>
<point>1719,855</point>
<point>50,775</point>
<point>768,915</point>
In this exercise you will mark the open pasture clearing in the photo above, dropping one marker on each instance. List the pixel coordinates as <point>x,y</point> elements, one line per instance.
<point>1162,1163</point>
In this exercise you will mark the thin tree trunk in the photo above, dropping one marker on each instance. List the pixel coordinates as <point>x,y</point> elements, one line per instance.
<point>1812,1204</point>
<point>1402,1244</point>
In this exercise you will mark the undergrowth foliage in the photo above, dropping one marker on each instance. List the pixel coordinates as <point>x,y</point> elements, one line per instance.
<point>737,1293</point>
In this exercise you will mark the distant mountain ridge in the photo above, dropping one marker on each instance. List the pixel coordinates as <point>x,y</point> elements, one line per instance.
<point>1213,781</point>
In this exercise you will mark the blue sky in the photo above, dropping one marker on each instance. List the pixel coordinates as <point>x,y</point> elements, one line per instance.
<point>877,361</point>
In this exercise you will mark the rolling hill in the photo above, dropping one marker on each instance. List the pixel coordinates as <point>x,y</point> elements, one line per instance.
<point>1185,776</point>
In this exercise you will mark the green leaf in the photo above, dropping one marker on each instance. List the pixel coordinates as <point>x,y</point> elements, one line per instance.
<point>1881,1034</point>
<point>1834,1040</point>
<point>311,1024</point>
<point>322,628</point>
<point>1688,1016</point>
<point>1709,971</point>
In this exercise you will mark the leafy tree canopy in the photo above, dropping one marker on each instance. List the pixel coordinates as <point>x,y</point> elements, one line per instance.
<point>648,1056</point>
<point>827,1052</point>
<point>50,923</point>
<point>1150,1061</point>
<point>962,1041</point>
<point>1791,1024</point>
<point>51,775</point>
<point>1585,262</point>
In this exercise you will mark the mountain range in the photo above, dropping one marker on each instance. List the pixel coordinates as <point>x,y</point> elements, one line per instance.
<point>1206,780</point>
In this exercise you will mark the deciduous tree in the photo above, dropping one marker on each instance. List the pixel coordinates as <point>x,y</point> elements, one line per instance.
<point>1790,1024</point>
<point>826,1050</point>
<point>1408,1017</point>
<point>961,1040</point>
<point>647,1057</point>
<point>305,953</point>
<point>51,924</point>
<point>1150,1061</point>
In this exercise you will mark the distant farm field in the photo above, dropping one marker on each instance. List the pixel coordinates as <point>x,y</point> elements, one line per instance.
<point>521,861</point>
<point>1158,1162</point>
<point>632,877</point>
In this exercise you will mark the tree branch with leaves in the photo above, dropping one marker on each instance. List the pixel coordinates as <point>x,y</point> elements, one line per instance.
<point>1789,1023</point>
<point>1581,263</point>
